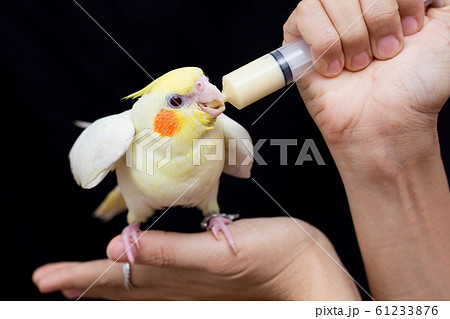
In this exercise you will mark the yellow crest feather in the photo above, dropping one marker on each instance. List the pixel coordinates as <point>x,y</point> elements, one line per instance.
<point>178,81</point>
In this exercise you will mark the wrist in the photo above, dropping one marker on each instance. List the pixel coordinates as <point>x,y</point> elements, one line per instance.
<point>384,157</point>
<point>399,197</point>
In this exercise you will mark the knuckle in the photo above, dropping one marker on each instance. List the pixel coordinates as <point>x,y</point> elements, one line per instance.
<point>356,37</point>
<point>382,16</point>
<point>327,44</point>
<point>71,277</point>
<point>295,16</point>
<point>305,6</point>
<point>164,256</point>
<point>286,27</point>
<point>68,275</point>
<point>105,282</point>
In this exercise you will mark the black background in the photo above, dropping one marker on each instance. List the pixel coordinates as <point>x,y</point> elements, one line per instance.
<point>58,66</point>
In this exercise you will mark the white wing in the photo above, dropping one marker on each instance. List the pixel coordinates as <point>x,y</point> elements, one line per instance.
<point>238,147</point>
<point>100,145</point>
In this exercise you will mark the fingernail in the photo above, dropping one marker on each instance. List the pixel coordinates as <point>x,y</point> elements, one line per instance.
<point>114,245</point>
<point>108,251</point>
<point>115,251</point>
<point>334,67</point>
<point>410,25</point>
<point>110,247</point>
<point>361,60</point>
<point>388,46</point>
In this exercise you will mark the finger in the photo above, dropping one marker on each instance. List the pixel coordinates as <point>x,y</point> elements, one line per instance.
<point>439,10</point>
<point>44,270</point>
<point>104,293</point>
<point>72,293</point>
<point>346,17</point>
<point>290,28</point>
<point>123,294</point>
<point>99,293</point>
<point>412,15</point>
<point>163,249</point>
<point>310,21</point>
<point>383,22</point>
<point>82,275</point>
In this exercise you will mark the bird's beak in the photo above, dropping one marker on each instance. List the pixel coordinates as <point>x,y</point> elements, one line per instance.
<point>209,98</point>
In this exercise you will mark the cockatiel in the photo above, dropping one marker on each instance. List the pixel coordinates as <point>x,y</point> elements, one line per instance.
<point>173,113</point>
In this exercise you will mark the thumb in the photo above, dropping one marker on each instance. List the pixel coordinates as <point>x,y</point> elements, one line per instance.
<point>174,250</point>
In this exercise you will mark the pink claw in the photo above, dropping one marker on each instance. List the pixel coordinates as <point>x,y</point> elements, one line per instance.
<point>130,239</point>
<point>217,224</point>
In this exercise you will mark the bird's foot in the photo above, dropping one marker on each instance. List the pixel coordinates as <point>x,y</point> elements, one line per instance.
<point>130,235</point>
<point>218,223</point>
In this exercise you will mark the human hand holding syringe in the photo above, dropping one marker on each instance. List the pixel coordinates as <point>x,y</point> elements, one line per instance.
<point>277,69</point>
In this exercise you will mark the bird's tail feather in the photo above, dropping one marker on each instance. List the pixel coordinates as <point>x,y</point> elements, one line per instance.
<point>112,205</point>
<point>81,124</point>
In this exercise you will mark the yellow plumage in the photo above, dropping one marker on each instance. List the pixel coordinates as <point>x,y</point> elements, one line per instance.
<point>179,81</point>
<point>154,131</point>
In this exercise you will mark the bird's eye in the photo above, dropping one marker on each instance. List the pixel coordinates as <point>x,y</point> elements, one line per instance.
<point>175,101</point>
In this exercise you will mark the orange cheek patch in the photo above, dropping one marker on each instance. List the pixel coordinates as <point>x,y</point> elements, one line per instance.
<point>166,123</point>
